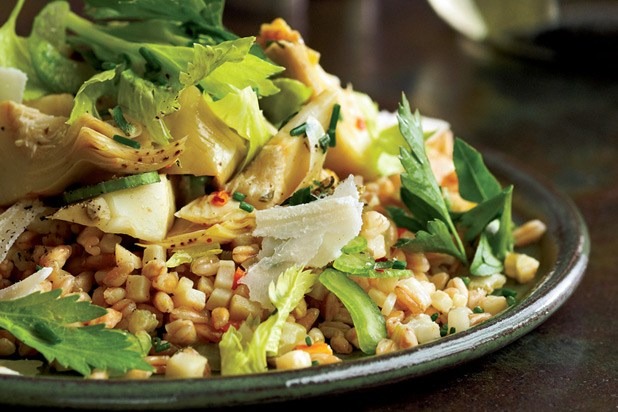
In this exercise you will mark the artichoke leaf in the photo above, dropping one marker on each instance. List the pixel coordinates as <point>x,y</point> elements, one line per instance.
<point>41,155</point>
<point>290,51</point>
<point>212,148</point>
<point>203,211</point>
<point>286,163</point>
<point>184,233</point>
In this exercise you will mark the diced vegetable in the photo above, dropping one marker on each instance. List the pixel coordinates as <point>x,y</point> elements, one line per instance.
<point>368,320</point>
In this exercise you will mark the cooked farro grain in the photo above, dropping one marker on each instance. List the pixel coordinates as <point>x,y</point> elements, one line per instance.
<point>529,232</point>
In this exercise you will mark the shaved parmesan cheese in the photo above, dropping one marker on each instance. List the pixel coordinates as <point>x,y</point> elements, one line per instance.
<point>26,286</point>
<point>309,235</point>
<point>15,220</point>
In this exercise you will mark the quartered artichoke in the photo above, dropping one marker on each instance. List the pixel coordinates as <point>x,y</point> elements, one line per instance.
<point>41,155</point>
<point>286,163</point>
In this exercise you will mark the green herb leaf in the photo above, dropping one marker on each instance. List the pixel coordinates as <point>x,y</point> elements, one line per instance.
<point>46,322</point>
<point>403,220</point>
<point>197,16</point>
<point>420,191</point>
<point>485,263</point>
<point>437,238</point>
<point>476,182</point>
<point>476,219</point>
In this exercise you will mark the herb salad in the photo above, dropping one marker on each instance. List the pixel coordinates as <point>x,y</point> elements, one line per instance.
<point>180,201</point>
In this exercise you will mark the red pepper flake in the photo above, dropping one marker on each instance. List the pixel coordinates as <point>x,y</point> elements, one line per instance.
<point>225,327</point>
<point>237,276</point>
<point>219,198</point>
<point>360,123</point>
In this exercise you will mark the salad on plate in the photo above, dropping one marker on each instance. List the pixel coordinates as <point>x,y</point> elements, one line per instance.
<point>179,201</point>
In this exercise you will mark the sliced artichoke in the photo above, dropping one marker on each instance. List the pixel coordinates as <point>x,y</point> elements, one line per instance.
<point>212,148</point>
<point>203,211</point>
<point>286,48</point>
<point>41,155</point>
<point>145,212</point>
<point>286,163</point>
<point>184,233</point>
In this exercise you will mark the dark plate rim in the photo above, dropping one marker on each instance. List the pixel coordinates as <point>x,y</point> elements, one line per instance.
<point>568,233</point>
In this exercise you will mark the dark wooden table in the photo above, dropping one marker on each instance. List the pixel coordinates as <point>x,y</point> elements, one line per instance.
<point>558,120</point>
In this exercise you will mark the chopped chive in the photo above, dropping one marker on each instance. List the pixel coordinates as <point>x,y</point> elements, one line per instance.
<point>383,264</point>
<point>466,280</point>
<point>238,196</point>
<point>399,264</point>
<point>332,126</point>
<point>308,341</point>
<point>160,345</point>
<point>478,309</point>
<point>315,363</point>
<point>299,130</point>
<point>246,206</point>
<point>506,292</point>
<point>127,142</point>
<point>444,330</point>
<point>126,127</point>
<point>324,142</point>
<point>510,300</point>
<point>435,316</point>
<point>108,65</point>
<point>452,330</point>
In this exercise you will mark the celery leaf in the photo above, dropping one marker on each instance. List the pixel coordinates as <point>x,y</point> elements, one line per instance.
<point>245,350</point>
<point>47,323</point>
<point>240,110</point>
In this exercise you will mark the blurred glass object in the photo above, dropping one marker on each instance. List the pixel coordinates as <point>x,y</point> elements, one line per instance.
<point>553,30</point>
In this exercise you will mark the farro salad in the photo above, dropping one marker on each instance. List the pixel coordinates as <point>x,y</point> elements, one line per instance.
<point>178,201</point>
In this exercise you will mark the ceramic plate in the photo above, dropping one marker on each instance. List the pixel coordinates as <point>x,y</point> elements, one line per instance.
<point>563,254</point>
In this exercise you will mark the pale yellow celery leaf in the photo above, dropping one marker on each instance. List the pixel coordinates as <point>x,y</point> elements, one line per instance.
<point>240,110</point>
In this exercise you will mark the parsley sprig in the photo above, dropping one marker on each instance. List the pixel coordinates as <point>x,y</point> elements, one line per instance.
<point>422,194</point>
<point>482,234</point>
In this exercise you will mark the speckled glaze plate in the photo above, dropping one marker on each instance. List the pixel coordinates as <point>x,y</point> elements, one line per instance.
<point>564,257</point>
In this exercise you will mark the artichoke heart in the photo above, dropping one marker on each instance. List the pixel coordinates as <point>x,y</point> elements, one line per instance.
<point>145,212</point>
<point>41,155</point>
<point>212,148</point>
<point>286,163</point>
<point>290,51</point>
